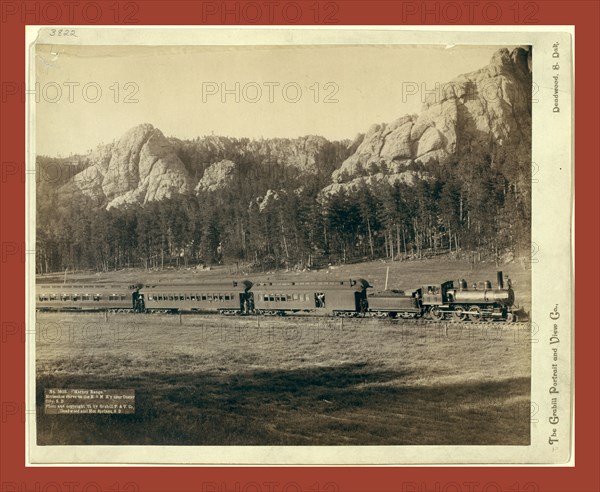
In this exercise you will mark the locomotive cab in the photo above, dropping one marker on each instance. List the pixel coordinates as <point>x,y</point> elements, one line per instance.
<point>438,294</point>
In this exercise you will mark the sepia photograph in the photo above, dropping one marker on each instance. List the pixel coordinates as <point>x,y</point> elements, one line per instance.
<point>284,245</point>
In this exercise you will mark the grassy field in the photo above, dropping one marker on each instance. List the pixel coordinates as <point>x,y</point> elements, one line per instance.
<point>249,381</point>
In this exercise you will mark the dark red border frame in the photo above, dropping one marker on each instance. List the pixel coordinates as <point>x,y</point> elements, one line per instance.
<point>15,477</point>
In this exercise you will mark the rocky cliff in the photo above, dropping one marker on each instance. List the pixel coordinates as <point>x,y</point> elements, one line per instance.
<point>478,111</point>
<point>217,176</point>
<point>140,167</point>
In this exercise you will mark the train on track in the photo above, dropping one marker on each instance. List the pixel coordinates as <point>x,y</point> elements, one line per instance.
<point>344,298</point>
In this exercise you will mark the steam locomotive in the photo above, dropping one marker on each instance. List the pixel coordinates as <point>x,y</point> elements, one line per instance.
<point>345,298</point>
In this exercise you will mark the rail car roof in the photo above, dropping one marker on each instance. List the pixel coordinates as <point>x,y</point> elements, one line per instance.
<point>227,286</point>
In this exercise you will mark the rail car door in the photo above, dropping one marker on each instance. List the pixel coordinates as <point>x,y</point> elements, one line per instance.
<point>247,302</point>
<point>361,304</point>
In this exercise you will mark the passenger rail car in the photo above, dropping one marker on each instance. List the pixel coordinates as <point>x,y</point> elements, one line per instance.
<point>340,298</point>
<point>83,297</point>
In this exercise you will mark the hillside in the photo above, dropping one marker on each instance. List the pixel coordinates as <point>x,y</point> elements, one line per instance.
<point>453,179</point>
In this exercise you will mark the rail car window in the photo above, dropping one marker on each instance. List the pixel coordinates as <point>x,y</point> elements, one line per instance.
<point>65,297</point>
<point>193,297</point>
<point>113,297</point>
<point>53,297</point>
<point>97,297</point>
<point>295,297</point>
<point>271,298</point>
<point>123,297</point>
<point>43,297</point>
<point>204,297</point>
<point>85,297</point>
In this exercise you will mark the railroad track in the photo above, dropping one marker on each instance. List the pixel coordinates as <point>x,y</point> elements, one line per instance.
<point>418,321</point>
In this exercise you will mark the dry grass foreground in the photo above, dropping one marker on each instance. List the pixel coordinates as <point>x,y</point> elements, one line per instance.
<point>248,381</point>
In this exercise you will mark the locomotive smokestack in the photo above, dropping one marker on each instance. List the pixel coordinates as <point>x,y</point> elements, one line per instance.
<point>500,280</point>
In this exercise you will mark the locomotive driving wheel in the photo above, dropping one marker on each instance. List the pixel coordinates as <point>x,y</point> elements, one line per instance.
<point>459,313</point>
<point>475,313</point>
<point>436,313</point>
